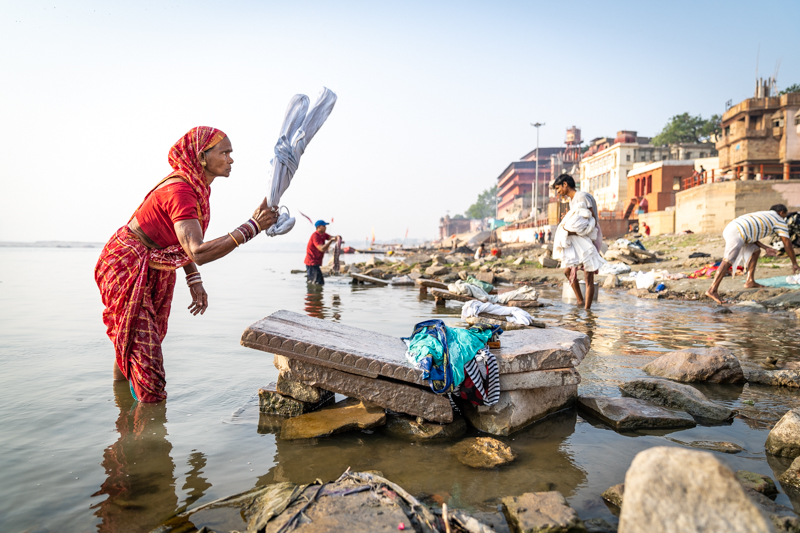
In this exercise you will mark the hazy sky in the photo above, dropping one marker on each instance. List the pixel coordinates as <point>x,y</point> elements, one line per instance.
<point>435,98</point>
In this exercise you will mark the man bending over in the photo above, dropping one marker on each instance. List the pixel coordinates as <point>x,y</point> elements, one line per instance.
<point>742,245</point>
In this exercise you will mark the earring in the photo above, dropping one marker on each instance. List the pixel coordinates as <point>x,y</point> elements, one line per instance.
<point>202,163</point>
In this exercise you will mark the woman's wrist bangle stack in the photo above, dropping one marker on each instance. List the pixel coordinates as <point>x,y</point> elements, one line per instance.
<point>248,230</point>
<point>193,278</point>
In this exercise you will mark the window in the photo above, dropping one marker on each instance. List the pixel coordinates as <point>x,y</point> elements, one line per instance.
<point>797,120</point>
<point>649,184</point>
<point>628,157</point>
<point>637,188</point>
<point>702,155</point>
<point>727,130</point>
<point>688,155</point>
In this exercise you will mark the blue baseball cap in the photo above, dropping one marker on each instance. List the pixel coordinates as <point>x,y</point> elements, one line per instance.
<point>319,223</point>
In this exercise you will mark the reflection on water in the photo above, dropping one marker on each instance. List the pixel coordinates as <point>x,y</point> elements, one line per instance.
<point>140,480</point>
<point>84,455</point>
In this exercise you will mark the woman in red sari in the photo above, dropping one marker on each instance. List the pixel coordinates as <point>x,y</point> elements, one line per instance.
<point>136,270</point>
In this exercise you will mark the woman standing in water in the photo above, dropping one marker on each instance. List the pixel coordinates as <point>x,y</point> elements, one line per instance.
<point>136,270</point>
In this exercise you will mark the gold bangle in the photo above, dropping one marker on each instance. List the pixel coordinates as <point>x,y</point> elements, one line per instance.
<point>257,224</point>
<point>234,240</point>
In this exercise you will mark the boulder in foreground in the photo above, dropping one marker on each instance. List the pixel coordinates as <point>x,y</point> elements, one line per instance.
<point>672,490</point>
<point>716,365</point>
<point>545,512</point>
<point>784,439</point>
<point>676,395</point>
<point>343,416</point>
<point>630,413</point>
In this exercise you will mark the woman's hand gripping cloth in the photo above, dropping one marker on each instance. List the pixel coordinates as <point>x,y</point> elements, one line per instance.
<point>299,127</point>
<point>515,314</point>
<point>442,352</point>
<point>581,248</point>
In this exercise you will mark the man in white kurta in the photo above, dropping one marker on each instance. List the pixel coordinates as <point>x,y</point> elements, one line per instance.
<point>578,238</point>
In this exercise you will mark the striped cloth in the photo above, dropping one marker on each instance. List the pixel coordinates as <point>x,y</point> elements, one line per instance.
<point>755,226</point>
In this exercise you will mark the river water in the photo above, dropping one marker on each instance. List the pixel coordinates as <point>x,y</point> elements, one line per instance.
<point>76,454</point>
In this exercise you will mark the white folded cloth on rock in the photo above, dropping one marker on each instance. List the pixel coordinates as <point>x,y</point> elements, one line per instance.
<point>299,127</point>
<point>466,289</point>
<point>514,314</point>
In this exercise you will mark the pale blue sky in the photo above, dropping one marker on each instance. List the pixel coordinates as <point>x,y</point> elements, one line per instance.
<point>435,99</point>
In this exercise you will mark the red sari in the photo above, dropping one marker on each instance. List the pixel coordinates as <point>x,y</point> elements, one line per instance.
<point>136,283</point>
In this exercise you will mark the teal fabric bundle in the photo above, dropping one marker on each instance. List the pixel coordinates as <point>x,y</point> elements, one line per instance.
<point>487,287</point>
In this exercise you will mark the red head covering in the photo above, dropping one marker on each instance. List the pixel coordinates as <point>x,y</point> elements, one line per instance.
<point>184,157</point>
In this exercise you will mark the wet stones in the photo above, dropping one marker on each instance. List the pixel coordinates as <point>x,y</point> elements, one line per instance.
<point>518,408</point>
<point>483,452</point>
<point>784,439</point>
<point>761,484</point>
<point>407,427</point>
<point>673,489</point>
<point>289,386</point>
<point>630,413</point>
<point>437,270</point>
<point>344,416</point>
<point>614,495</point>
<point>792,475</point>
<point>713,446</point>
<point>271,402</point>
<point>775,378</point>
<point>545,512</point>
<point>611,282</point>
<point>716,365</point>
<point>677,396</point>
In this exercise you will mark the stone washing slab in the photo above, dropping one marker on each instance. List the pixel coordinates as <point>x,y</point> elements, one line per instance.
<point>370,354</point>
<point>539,379</point>
<point>630,413</point>
<point>519,408</point>
<point>398,397</point>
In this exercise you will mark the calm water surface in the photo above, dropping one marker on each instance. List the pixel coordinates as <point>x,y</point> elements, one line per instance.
<point>76,454</point>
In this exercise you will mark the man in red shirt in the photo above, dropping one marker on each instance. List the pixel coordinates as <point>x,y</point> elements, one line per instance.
<point>318,244</point>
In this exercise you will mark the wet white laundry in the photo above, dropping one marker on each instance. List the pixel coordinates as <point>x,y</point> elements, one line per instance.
<point>514,314</point>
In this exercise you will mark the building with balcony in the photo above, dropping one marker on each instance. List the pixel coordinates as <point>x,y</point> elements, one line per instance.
<point>761,138</point>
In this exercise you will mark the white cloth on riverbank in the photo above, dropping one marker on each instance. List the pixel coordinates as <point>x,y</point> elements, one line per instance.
<point>467,289</point>
<point>516,315</point>
<point>583,247</point>
<point>614,269</point>
<point>299,127</point>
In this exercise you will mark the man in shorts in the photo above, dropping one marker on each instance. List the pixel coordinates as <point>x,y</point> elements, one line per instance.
<point>742,245</point>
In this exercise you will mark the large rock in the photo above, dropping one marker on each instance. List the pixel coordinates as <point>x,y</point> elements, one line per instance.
<point>540,379</point>
<point>776,378</point>
<point>289,386</point>
<point>548,262</point>
<point>630,413</point>
<point>399,397</point>
<point>483,452</point>
<point>757,482</point>
<point>611,282</point>
<point>519,408</point>
<point>713,446</point>
<point>676,395</point>
<point>784,439</point>
<point>271,402</point>
<point>717,365</point>
<point>486,277</point>
<point>541,512</point>
<point>437,270</point>
<point>346,415</point>
<point>408,427</point>
<point>673,490</point>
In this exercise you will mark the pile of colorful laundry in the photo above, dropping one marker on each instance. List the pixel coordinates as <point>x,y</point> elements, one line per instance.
<point>709,271</point>
<point>456,361</point>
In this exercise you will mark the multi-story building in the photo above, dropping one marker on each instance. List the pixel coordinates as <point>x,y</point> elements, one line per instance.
<point>515,183</point>
<point>761,138</point>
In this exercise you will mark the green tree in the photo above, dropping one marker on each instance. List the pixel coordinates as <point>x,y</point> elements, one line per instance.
<point>685,128</point>
<point>791,89</point>
<point>484,206</point>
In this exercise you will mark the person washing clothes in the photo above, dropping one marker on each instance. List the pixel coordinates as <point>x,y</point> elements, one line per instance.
<point>480,252</point>
<point>578,238</point>
<point>318,244</point>
<point>742,245</point>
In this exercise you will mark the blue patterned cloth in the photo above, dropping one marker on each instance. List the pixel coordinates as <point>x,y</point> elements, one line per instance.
<point>442,352</point>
